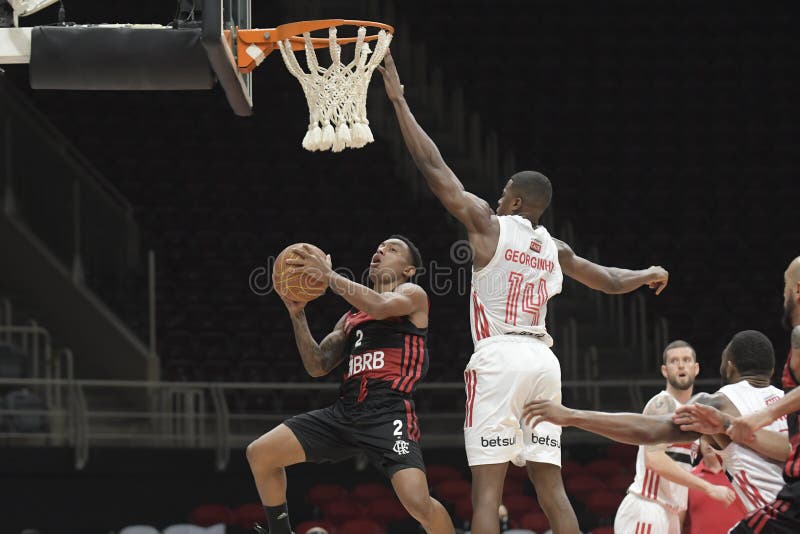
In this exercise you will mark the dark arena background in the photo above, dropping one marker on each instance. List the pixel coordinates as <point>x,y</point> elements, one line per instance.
<point>141,345</point>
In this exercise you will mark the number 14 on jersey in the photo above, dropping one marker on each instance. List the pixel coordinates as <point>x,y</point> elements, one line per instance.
<point>532,298</point>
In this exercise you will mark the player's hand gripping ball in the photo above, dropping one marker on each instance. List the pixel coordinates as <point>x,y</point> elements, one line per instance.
<point>290,283</point>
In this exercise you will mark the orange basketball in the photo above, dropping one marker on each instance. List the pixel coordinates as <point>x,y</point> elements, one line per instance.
<point>293,285</point>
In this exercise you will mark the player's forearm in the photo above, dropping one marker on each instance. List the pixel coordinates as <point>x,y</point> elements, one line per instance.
<point>309,349</point>
<point>790,403</point>
<point>424,151</point>
<point>773,445</point>
<point>626,280</point>
<point>631,428</point>
<point>359,296</point>
<point>665,466</point>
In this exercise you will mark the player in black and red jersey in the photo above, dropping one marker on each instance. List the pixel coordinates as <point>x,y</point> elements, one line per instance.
<point>384,337</point>
<point>781,516</point>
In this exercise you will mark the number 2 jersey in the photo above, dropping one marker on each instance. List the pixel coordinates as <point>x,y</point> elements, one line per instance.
<point>387,360</point>
<point>510,293</point>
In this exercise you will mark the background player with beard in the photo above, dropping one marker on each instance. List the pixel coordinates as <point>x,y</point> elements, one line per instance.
<point>653,504</point>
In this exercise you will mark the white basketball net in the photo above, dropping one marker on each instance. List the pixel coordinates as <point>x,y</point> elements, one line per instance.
<point>337,96</point>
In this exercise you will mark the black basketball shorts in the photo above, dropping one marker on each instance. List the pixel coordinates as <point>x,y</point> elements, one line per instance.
<point>385,440</point>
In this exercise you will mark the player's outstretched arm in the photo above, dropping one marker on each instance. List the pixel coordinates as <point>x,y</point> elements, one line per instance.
<point>631,428</point>
<point>472,211</point>
<point>656,458</point>
<point>612,280</point>
<point>318,359</point>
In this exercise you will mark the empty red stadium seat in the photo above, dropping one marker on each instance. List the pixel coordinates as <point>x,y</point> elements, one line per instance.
<point>361,526</point>
<point>322,493</point>
<point>463,508</point>
<point>520,505</point>
<point>622,452</point>
<point>368,492</point>
<point>305,526</point>
<point>535,521</point>
<point>619,482</point>
<point>211,514</point>
<point>386,509</point>
<point>603,468</point>
<point>581,486</point>
<point>516,473</point>
<point>340,510</point>
<point>437,473</point>
<point>571,468</point>
<point>453,490</point>
<point>248,514</point>
<point>604,504</point>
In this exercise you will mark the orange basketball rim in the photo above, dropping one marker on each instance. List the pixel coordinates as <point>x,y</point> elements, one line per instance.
<point>252,46</point>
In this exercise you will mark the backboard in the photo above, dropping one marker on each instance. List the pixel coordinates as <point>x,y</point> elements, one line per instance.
<point>219,16</point>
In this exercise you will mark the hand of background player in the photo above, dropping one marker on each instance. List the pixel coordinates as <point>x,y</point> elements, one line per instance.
<point>658,278</point>
<point>743,429</point>
<point>312,263</point>
<point>722,494</point>
<point>394,89</point>
<point>700,418</point>
<point>538,411</point>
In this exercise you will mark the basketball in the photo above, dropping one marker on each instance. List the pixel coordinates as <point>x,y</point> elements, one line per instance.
<point>294,285</point>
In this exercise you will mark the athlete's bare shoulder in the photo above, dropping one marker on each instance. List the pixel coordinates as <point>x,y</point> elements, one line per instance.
<point>410,289</point>
<point>661,404</point>
<point>716,400</point>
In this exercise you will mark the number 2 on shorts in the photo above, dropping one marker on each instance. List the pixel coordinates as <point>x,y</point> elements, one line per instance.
<point>398,428</point>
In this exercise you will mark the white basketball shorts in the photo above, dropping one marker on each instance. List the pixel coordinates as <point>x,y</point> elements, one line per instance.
<point>503,374</point>
<point>637,515</point>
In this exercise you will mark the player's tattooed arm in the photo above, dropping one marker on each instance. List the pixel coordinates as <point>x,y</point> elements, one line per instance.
<point>319,359</point>
<point>660,405</point>
<point>611,280</point>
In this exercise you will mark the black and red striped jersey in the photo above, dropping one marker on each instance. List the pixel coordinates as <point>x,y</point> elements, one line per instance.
<point>791,471</point>
<point>387,359</point>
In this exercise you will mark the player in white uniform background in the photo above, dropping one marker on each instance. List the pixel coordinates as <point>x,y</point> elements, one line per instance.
<point>748,362</point>
<point>517,268</point>
<point>656,501</point>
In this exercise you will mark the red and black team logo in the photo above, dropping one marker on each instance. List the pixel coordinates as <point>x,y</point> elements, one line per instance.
<point>536,246</point>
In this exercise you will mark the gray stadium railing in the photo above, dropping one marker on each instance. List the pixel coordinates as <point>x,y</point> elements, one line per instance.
<point>197,415</point>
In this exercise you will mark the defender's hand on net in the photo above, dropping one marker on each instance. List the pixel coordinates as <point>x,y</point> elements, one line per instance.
<point>658,279</point>
<point>538,411</point>
<point>700,418</point>
<point>394,89</point>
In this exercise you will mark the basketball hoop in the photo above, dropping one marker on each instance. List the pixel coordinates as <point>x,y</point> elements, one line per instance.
<point>337,95</point>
